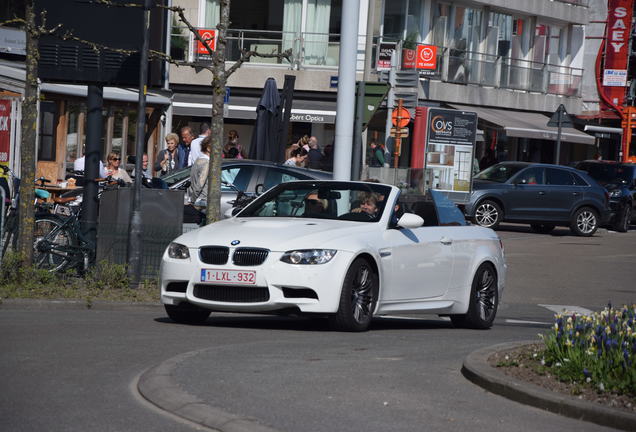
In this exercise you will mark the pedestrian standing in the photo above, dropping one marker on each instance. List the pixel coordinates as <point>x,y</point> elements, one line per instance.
<point>314,156</point>
<point>195,146</point>
<point>187,136</point>
<point>168,159</point>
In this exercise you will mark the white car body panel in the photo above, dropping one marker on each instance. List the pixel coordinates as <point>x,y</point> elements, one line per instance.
<point>430,268</point>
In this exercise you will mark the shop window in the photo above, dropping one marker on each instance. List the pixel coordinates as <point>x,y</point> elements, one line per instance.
<point>48,120</point>
<point>75,114</point>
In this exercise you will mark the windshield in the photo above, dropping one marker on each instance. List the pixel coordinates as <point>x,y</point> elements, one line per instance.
<point>362,202</point>
<point>607,173</point>
<point>500,173</point>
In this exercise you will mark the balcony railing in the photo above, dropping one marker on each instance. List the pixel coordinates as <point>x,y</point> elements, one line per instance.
<point>321,50</point>
<point>466,67</point>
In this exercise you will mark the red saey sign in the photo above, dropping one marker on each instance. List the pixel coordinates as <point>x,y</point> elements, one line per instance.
<point>618,30</point>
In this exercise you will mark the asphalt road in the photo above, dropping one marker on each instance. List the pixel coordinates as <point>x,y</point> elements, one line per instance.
<point>71,369</point>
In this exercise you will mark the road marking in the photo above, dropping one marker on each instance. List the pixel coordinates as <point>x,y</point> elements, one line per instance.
<point>514,321</point>
<point>567,309</point>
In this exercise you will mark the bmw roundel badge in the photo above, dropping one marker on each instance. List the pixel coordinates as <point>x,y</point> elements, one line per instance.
<point>235,242</point>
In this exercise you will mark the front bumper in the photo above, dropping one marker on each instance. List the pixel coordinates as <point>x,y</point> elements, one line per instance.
<point>309,288</point>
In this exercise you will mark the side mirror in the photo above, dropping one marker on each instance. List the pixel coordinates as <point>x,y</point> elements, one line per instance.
<point>410,221</point>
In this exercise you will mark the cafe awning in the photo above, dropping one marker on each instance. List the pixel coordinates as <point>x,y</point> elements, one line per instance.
<point>244,107</point>
<point>525,124</point>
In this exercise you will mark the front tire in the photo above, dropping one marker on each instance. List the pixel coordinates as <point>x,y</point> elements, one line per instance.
<point>357,298</point>
<point>623,221</point>
<point>488,214</point>
<point>187,313</point>
<point>584,222</point>
<point>484,300</point>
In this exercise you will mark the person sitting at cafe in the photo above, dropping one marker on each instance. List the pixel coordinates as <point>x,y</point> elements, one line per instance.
<point>114,170</point>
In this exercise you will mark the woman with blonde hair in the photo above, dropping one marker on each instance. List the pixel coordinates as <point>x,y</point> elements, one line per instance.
<point>113,168</point>
<point>168,158</point>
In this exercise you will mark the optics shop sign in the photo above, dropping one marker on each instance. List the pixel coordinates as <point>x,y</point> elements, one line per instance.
<point>619,22</point>
<point>5,129</point>
<point>450,147</point>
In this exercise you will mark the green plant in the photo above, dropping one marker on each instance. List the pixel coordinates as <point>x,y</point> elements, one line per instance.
<point>599,350</point>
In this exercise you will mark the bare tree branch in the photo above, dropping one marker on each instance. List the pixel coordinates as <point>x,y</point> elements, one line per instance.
<point>246,55</point>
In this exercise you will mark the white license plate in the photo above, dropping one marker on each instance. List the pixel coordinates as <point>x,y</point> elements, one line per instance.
<point>228,276</point>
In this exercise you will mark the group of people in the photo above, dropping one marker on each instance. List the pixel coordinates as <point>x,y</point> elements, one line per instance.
<point>113,167</point>
<point>306,153</point>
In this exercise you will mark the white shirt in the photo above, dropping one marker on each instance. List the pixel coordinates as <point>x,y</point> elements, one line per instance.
<point>195,149</point>
<point>78,165</point>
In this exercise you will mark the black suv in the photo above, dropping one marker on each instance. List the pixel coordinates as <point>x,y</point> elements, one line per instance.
<point>620,181</point>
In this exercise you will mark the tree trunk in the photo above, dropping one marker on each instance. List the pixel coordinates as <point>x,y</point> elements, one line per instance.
<point>213,212</point>
<point>29,134</point>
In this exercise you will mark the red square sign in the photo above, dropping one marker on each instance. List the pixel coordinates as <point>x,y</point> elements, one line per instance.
<point>426,57</point>
<point>209,35</point>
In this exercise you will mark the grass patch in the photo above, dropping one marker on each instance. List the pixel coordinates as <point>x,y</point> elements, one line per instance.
<point>103,282</point>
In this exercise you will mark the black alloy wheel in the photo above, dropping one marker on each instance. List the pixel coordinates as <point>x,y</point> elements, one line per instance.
<point>484,300</point>
<point>357,298</point>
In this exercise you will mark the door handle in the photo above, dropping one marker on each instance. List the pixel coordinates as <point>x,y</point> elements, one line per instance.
<point>446,241</point>
<point>575,193</point>
<point>541,193</point>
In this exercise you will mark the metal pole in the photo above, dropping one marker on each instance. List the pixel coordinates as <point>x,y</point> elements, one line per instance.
<point>558,145</point>
<point>134,227</point>
<point>92,150</point>
<point>390,102</point>
<point>368,48</point>
<point>358,147</point>
<point>346,90</point>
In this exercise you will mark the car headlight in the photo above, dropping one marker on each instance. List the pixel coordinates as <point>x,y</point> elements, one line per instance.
<point>178,251</point>
<point>308,256</point>
<point>615,194</point>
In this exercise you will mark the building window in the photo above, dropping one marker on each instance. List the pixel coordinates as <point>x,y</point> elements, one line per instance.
<point>48,120</point>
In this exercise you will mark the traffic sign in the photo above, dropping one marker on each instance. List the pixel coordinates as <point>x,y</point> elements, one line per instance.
<point>565,119</point>
<point>400,117</point>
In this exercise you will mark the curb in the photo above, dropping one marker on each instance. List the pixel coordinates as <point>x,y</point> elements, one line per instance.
<point>41,304</point>
<point>157,386</point>
<point>477,369</point>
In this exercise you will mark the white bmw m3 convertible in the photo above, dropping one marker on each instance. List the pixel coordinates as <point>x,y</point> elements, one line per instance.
<point>348,250</point>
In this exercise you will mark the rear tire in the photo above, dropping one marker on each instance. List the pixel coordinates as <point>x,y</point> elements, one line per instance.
<point>542,228</point>
<point>488,214</point>
<point>357,298</point>
<point>484,300</point>
<point>584,222</point>
<point>624,219</point>
<point>187,313</point>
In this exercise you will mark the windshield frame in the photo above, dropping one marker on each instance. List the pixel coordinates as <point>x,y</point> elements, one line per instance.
<point>307,186</point>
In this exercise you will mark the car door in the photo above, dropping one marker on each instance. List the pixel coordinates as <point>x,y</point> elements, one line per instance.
<point>562,194</point>
<point>526,199</point>
<point>419,261</point>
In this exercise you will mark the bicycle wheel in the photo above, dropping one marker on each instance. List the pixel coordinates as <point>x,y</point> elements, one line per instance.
<point>52,245</point>
<point>10,235</point>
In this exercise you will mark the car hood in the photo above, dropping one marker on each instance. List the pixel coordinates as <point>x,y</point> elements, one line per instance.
<point>278,234</point>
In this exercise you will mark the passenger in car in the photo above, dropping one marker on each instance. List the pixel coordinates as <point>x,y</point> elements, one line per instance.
<point>368,204</point>
<point>314,206</point>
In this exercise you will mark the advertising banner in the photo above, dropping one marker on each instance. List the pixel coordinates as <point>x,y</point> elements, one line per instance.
<point>450,147</point>
<point>426,57</point>
<point>618,30</point>
<point>385,51</point>
<point>208,35</point>
<point>408,58</point>
<point>5,130</point>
